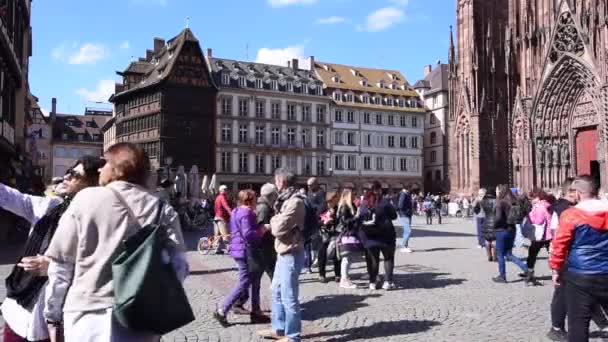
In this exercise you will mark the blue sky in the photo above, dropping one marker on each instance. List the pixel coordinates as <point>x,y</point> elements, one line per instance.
<point>79,45</point>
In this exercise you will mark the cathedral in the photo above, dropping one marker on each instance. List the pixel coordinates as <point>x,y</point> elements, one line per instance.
<point>528,93</point>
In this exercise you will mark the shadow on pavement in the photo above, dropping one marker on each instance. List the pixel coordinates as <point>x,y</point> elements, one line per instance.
<point>207,272</point>
<point>437,249</point>
<point>332,306</point>
<point>425,280</point>
<point>376,330</point>
<point>419,233</point>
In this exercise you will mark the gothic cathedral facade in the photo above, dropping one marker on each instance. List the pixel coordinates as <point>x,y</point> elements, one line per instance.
<point>528,93</point>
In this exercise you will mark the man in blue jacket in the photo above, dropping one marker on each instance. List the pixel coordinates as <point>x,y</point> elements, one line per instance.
<point>404,209</point>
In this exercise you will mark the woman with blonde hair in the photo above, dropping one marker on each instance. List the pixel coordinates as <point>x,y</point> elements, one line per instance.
<point>348,242</point>
<point>329,234</point>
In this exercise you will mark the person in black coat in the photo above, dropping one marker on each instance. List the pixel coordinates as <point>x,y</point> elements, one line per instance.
<point>487,205</point>
<point>379,237</point>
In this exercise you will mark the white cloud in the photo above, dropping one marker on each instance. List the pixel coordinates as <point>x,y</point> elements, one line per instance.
<point>88,53</point>
<point>331,20</point>
<point>282,3</point>
<point>401,2</point>
<point>382,19</point>
<point>281,56</point>
<point>124,45</point>
<point>105,88</point>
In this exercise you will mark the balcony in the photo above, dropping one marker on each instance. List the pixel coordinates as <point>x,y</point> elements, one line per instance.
<point>9,48</point>
<point>7,131</point>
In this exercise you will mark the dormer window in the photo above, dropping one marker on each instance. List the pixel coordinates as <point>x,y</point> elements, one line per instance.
<point>336,79</point>
<point>365,98</point>
<point>377,100</point>
<point>289,86</point>
<point>274,85</point>
<point>392,76</point>
<point>394,85</point>
<point>304,88</point>
<point>337,96</point>
<point>327,67</point>
<point>349,98</point>
<point>258,83</point>
<point>170,54</point>
<point>355,72</point>
<point>381,84</point>
<point>389,101</point>
<point>242,82</point>
<point>225,78</point>
<point>364,82</point>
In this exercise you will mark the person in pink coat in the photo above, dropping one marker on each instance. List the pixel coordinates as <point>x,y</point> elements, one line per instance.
<point>539,216</point>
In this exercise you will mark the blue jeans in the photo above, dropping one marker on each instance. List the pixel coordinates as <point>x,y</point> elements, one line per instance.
<point>286,316</point>
<point>406,222</point>
<point>504,248</point>
<point>479,222</point>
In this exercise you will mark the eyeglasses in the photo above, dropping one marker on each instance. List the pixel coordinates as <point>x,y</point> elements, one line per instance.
<point>73,174</point>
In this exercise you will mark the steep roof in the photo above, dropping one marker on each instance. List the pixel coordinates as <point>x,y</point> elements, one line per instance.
<point>162,63</point>
<point>264,71</point>
<point>436,80</point>
<point>351,77</point>
<point>72,125</point>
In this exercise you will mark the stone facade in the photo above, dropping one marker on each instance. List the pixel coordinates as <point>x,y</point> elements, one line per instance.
<point>528,86</point>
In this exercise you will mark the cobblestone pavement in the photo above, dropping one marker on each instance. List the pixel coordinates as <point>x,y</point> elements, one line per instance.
<point>444,293</point>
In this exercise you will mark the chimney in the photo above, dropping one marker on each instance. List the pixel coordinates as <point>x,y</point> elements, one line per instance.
<point>209,53</point>
<point>294,64</point>
<point>53,109</point>
<point>427,70</point>
<point>159,43</point>
<point>289,64</point>
<point>149,55</point>
<point>312,63</point>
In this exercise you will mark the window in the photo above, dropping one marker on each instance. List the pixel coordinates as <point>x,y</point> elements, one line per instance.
<point>338,138</point>
<point>260,165</point>
<point>352,162</point>
<point>403,142</point>
<point>379,163</point>
<point>289,86</point>
<point>365,99</point>
<point>438,175</point>
<point>320,166</point>
<point>276,110</point>
<point>226,106</point>
<point>305,137</point>
<point>260,133</point>
<point>378,119</point>
<point>226,133</point>
<point>367,163</point>
<point>226,162</point>
<point>433,137</point>
<point>367,118</point>
<point>320,113</point>
<point>304,88</point>
<point>368,140</point>
<point>260,108</point>
<point>350,139</point>
<point>433,120</point>
<point>292,162</point>
<point>339,162</point>
<point>259,84</point>
<point>306,113</point>
<point>291,112</point>
<point>243,107</point>
<point>225,78</point>
<point>338,115</point>
<point>433,156</point>
<point>337,96</point>
<point>389,101</point>
<point>275,135</point>
<point>274,85</point>
<point>349,98</point>
<point>243,132</point>
<point>403,164</point>
<point>414,143</point>
<point>377,100</point>
<point>243,162</point>
<point>350,116</point>
<point>307,167</point>
<point>80,137</point>
<point>391,141</point>
<point>414,121</point>
<point>391,120</point>
<point>276,162</point>
<point>380,140</point>
<point>434,102</point>
<point>291,136</point>
<point>403,121</point>
<point>242,82</point>
<point>320,138</point>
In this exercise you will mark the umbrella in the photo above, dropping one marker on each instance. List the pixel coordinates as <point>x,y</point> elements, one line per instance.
<point>181,181</point>
<point>212,184</point>
<point>194,190</point>
<point>205,185</point>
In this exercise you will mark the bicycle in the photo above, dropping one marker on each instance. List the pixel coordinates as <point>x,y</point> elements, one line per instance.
<point>207,244</point>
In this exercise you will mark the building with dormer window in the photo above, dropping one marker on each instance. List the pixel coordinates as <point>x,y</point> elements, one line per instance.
<point>377,124</point>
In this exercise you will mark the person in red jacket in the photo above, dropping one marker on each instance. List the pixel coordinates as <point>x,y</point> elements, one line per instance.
<point>581,241</point>
<point>222,217</point>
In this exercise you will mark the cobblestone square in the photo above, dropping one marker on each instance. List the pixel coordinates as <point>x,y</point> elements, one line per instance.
<point>444,293</point>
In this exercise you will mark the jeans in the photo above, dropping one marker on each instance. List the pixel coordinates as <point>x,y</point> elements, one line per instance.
<point>345,267</point>
<point>240,293</point>
<point>372,260</point>
<point>583,293</point>
<point>406,222</point>
<point>322,261</point>
<point>286,316</point>
<point>504,250</point>
<point>479,222</point>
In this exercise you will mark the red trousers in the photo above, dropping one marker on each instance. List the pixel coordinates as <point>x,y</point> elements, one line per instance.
<point>10,336</point>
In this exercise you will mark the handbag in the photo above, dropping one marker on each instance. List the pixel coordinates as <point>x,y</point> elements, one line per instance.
<point>348,243</point>
<point>148,296</point>
<point>533,232</point>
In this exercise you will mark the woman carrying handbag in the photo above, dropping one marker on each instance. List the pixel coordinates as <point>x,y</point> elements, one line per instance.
<point>349,244</point>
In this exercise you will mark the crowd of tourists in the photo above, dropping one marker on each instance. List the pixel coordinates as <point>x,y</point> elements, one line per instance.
<point>105,258</point>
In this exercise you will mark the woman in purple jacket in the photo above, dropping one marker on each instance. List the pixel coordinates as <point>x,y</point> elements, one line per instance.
<point>244,234</point>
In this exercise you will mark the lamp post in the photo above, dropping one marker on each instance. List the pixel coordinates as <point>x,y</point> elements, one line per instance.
<point>168,162</point>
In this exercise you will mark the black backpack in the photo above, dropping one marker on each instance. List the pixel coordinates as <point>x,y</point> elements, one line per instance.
<point>516,213</point>
<point>311,220</point>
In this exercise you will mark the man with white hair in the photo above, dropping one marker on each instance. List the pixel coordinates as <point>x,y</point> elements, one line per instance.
<point>222,217</point>
<point>479,217</point>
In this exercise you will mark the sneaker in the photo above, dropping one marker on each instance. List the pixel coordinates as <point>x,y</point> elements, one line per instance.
<point>323,280</point>
<point>499,279</point>
<point>556,334</point>
<point>480,247</point>
<point>373,287</point>
<point>405,250</point>
<point>315,263</point>
<point>388,285</point>
<point>221,318</point>
<point>240,310</point>
<point>337,279</point>
<point>259,318</point>
<point>347,284</point>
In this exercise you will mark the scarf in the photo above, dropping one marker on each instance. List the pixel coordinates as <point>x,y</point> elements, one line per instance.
<point>25,287</point>
<point>284,196</point>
